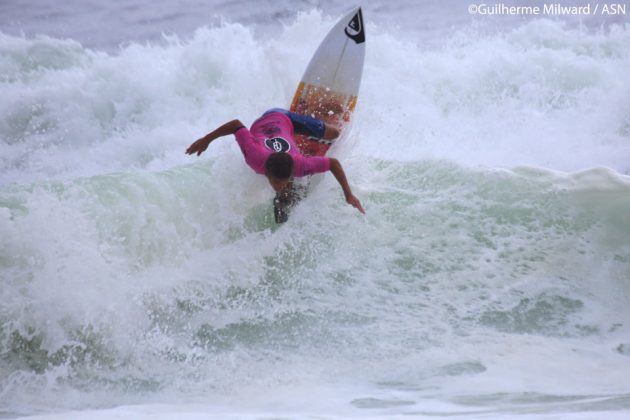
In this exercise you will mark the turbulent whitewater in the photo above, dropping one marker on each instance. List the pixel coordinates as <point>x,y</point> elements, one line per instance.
<point>491,273</point>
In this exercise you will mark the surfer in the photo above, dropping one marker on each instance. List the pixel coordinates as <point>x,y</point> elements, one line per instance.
<point>270,150</point>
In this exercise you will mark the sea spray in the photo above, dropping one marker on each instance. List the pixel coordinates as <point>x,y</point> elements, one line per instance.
<point>491,269</point>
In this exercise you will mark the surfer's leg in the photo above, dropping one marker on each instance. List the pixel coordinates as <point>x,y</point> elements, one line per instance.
<point>331,132</point>
<point>307,126</point>
<point>313,128</point>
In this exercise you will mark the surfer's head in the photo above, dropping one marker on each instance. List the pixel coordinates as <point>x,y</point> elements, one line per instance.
<point>278,169</point>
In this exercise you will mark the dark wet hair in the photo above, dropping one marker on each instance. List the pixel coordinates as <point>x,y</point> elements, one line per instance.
<point>279,165</point>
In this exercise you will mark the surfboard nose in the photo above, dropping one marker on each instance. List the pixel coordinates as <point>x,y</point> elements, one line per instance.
<point>354,30</point>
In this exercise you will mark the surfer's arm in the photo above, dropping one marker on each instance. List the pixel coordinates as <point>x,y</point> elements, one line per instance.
<point>225,130</point>
<point>340,175</point>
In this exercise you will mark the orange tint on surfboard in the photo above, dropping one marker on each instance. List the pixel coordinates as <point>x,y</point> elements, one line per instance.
<point>330,85</point>
<point>333,108</point>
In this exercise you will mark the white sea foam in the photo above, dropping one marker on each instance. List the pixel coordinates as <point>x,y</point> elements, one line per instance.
<point>489,276</point>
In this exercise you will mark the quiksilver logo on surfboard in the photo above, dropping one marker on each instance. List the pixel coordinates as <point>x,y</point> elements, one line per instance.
<point>354,30</point>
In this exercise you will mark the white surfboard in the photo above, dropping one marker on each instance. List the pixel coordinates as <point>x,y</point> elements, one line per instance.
<point>329,88</point>
<point>329,91</point>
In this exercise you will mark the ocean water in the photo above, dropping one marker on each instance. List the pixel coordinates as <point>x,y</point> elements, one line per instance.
<point>490,277</point>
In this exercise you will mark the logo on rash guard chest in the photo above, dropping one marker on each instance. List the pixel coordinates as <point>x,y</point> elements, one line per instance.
<point>278,144</point>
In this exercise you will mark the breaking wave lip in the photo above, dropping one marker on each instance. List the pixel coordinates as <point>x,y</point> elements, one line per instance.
<point>541,94</point>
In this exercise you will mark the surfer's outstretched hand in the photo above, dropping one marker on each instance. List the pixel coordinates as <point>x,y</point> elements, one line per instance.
<point>337,171</point>
<point>198,147</point>
<point>354,202</point>
<point>202,144</point>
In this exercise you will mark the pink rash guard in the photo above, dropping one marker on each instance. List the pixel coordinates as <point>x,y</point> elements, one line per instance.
<point>273,132</point>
